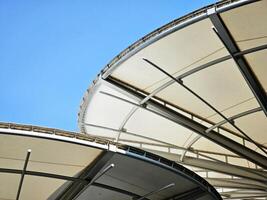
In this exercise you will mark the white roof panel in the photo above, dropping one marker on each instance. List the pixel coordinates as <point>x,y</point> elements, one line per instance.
<point>247,24</point>
<point>258,62</point>
<point>47,156</point>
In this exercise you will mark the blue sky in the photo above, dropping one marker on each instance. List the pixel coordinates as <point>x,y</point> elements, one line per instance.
<point>50,51</point>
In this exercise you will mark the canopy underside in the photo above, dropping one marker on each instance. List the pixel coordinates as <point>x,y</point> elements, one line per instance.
<point>194,89</point>
<point>42,163</point>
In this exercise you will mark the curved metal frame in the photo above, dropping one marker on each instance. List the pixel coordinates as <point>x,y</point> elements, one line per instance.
<point>168,29</point>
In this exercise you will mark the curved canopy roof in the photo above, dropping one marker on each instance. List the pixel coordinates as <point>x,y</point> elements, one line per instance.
<point>42,163</point>
<point>193,90</point>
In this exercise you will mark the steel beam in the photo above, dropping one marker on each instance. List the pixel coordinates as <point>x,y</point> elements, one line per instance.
<point>248,74</point>
<point>192,125</point>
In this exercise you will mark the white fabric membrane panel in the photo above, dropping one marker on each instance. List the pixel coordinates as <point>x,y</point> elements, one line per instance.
<point>221,85</point>
<point>151,125</point>
<point>257,62</point>
<point>174,53</point>
<point>232,111</point>
<point>180,97</point>
<point>211,57</point>
<point>9,184</point>
<point>248,104</point>
<point>106,111</point>
<point>47,155</point>
<point>191,137</point>
<point>254,121</point>
<point>218,175</point>
<point>239,162</point>
<point>207,145</point>
<point>255,125</point>
<point>136,138</point>
<point>101,132</point>
<point>247,24</point>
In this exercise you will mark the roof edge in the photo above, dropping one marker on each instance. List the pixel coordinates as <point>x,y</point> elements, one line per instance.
<point>152,37</point>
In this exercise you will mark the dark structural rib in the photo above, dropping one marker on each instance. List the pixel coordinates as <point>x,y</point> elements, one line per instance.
<point>23,173</point>
<point>88,174</point>
<point>192,125</point>
<point>229,43</point>
<point>204,101</point>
